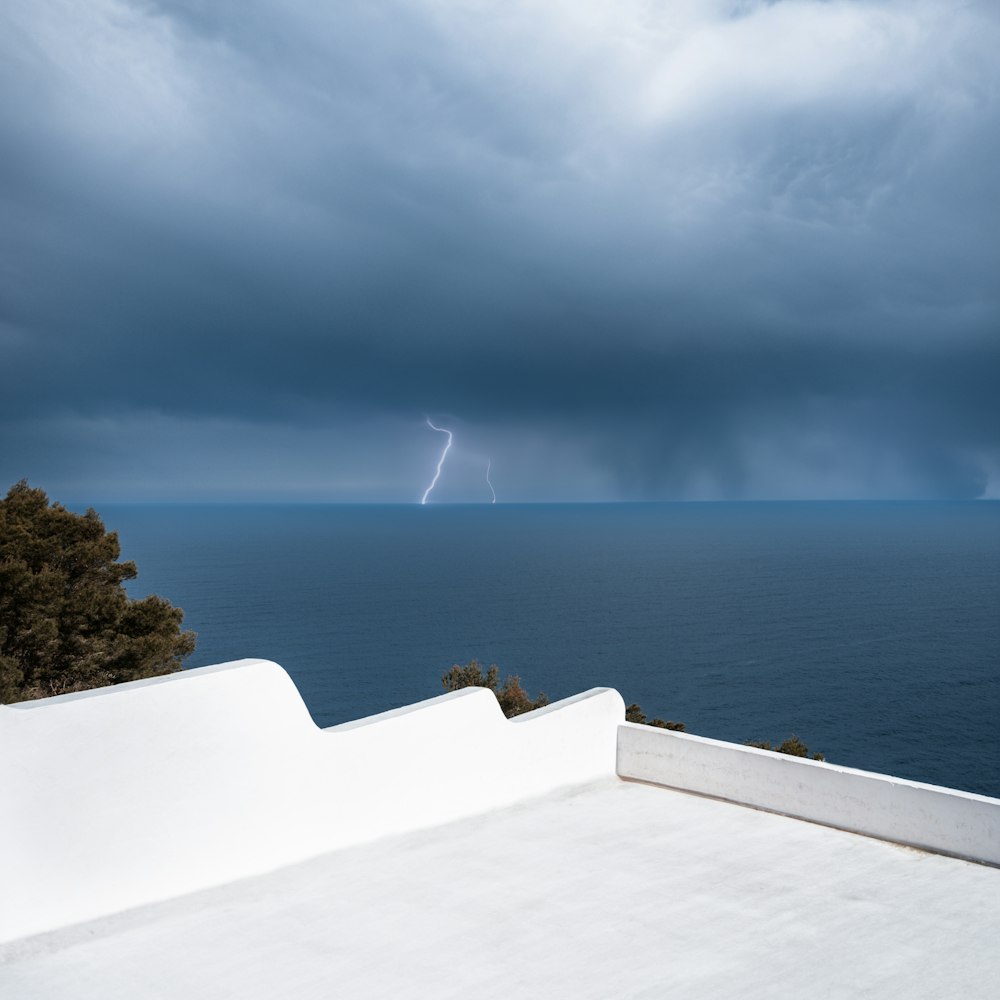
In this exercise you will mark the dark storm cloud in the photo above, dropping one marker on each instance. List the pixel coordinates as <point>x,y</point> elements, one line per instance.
<point>720,249</point>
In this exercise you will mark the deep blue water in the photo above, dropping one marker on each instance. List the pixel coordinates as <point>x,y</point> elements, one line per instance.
<point>872,630</point>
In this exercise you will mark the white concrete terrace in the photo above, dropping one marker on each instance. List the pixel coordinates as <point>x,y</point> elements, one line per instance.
<point>562,878</point>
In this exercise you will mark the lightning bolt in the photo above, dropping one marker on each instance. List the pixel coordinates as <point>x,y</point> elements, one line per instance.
<point>489,465</point>
<point>440,430</point>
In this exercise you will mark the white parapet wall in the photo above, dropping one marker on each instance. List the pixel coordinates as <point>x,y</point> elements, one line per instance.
<point>907,812</point>
<point>113,798</point>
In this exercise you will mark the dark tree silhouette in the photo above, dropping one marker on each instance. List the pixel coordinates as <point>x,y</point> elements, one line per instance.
<point>66,622</point>
<point>635,714</point>
<point>514,700</point>
<point>793,746</point>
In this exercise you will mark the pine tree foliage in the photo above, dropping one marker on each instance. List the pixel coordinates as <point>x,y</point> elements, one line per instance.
<point>793,746</point>
<point>635,714</point>
<point>514,700</point>
<point>66,622</point>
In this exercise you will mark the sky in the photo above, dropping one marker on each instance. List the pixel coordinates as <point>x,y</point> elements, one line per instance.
<point>623,249</point>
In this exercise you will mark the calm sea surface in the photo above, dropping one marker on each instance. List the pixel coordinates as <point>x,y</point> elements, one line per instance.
<point>872,630</point>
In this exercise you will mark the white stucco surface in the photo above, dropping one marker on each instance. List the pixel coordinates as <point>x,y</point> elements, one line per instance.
<point>117,797</point>
<point>603,890</point>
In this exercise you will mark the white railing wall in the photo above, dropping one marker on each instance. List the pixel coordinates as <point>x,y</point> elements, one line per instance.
<point>907,812</point>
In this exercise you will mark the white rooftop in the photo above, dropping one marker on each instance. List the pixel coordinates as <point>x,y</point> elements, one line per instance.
<point>594,886</point>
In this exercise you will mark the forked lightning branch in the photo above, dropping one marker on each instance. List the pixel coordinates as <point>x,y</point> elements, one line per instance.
<point>440,464</point>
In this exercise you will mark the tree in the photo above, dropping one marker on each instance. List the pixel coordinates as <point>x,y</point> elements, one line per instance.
<point>792,746</point>
<point>635,714</point>
<point>66,622</point>
<point>514,700</point>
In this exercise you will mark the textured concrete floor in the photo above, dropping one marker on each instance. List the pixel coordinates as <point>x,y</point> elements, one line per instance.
<point>612,889</point>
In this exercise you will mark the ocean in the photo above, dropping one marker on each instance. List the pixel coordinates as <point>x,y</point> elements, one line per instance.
<point>870,630</point>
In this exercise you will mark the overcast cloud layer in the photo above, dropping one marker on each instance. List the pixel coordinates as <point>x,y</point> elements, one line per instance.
<point>628,250</point>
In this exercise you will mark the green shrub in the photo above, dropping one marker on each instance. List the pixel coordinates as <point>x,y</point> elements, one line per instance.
<point>514,700</point>
<point>792,746</point>
<point>66,622</point>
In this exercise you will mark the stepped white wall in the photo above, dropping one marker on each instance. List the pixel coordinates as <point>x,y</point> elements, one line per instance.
<point>130,794</point>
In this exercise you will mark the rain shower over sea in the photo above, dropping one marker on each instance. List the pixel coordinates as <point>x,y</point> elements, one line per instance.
<point>871,630</point>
